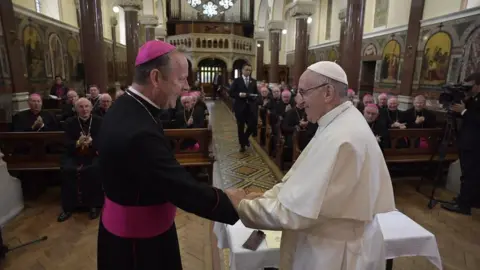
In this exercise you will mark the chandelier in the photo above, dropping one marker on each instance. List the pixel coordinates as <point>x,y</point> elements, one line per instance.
<point>211,8</point>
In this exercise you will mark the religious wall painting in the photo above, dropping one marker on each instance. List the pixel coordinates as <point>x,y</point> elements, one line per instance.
<point>73,52</point>
<point>391,60</point>
<point>56,54</point>
<point>471,58</point>
<point>332,55</point>
<point>436,58</point>
<point>381,13</point>
<point>370,50</point>
<point>34,53</point>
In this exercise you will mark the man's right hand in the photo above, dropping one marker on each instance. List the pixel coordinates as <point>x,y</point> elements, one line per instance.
<point>235,195</point>
<point>242,94</point>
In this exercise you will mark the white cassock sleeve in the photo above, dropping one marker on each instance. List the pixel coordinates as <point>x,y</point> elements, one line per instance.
<point>267,213</point>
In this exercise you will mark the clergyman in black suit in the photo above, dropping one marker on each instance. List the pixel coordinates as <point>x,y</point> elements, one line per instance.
<point>244,91</point>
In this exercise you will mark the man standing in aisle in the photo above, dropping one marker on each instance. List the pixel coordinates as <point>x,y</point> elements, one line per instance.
<point>244,91</point>
<point>142,180</point>
<point>326,204</point>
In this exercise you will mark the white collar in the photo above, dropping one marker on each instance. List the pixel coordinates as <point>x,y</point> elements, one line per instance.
<point>244,77</point>
<point>133,90</point>
<point>331,115</point>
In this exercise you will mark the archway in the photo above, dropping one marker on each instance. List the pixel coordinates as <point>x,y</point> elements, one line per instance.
<point>237,68</point>
<point>206,73</point>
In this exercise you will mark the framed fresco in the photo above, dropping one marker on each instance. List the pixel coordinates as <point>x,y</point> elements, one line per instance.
<point>391,61</point>
<point>436,59</point>
<point>370,50</point>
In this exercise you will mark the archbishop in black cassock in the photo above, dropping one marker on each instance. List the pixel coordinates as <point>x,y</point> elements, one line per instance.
<point>81,183</point>
<point>140,173</point>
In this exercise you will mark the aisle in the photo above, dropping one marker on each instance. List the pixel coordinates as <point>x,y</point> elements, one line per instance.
<point>244,170</point>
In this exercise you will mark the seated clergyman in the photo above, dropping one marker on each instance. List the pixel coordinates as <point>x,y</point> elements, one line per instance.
<point>379,128</point>
<point>419,116</point>
<point>296,119</point>
<point>68,109</point>
<point>34,119</point>
<point>81,183</point>
<point>105,103</point>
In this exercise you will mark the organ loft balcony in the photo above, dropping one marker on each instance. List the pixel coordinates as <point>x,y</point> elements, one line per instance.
<point>214,43</point>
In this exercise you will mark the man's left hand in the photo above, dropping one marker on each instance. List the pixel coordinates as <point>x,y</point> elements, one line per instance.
<point>458,107</point>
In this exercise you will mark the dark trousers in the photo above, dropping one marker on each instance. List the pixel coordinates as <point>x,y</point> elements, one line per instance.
<point>244,118</point>
<point>470,179</point>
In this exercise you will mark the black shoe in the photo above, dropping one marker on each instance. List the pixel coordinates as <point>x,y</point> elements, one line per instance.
<point>94,213</point>
<point>248,144</point>
<point>242,149</point>
<point>456,208</point>
<point>64,216</point>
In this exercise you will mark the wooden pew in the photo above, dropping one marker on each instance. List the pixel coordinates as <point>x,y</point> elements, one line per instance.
<point>299,136</point>
<point>414,154</point>
<point>29,151</point>
<point>42,151</point>
<point>280,147</point>
<point>268,134</point>
<point>260,129</point>
<point>189,158</point>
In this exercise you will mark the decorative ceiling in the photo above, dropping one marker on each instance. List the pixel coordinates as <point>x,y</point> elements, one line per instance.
<point>211,8</point>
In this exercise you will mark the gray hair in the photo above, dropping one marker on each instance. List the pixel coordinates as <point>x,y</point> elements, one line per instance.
<point>340,88</point>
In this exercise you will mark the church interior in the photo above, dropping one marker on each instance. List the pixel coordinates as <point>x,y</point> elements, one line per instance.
<point>396,53</point>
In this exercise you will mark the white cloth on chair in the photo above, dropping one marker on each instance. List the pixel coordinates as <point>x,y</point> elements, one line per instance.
<point>11,198</point>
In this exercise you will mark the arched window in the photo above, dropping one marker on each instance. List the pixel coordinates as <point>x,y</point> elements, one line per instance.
<point>37,6</point>
<point>207,74</point>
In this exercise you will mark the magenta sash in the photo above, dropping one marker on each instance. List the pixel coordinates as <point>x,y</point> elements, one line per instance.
<point>195,147</point>
<point>137,221</point>
<point>423,143</point>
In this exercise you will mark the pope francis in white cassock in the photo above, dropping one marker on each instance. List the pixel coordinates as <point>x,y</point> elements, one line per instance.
<point>326,204</point>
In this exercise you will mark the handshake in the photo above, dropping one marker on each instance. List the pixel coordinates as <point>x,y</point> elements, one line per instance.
<point>236,195</point>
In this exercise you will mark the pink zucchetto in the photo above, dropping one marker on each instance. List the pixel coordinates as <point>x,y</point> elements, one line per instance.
<point>151,50</point>
<point>371,105</point>
<point>351,92</point>
<point>382,95</point>
<point>35,95</point>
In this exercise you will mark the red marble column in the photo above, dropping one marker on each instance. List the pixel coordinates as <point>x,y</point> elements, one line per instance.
<point>113,23</point>
<point>343,30</point>
<point>301,43</point>
<point>13,53</point>
<point>352,41</point>
<point>149,22</point>
<point>131,29</point>
<point>93,44</point>
<point>274,55</point>
<point>409,58</point>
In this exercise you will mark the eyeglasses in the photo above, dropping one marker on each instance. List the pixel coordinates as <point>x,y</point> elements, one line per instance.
<point>302,92</point>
